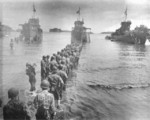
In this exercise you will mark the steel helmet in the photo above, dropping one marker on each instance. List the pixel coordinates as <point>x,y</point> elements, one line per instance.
<point>62,62</point>
<point>27,64</point>
<point>60,67</point>
<point>45,84</point>
<point>48,56</point>
<point>43,57</point>
<point>54,68</point>
<point>13,92</point>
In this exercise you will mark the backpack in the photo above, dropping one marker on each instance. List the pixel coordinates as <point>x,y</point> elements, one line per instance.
<point>43,114</point>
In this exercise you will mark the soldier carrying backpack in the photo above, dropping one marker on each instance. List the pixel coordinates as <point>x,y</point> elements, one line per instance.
<point>45,103</point>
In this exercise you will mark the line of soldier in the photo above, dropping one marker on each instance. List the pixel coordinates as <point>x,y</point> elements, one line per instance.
<point>57,68</point>
<point>54,74</point>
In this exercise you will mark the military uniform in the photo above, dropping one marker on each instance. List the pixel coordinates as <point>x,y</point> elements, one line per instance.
<point>15,110</point>
<point>53,64</point>
<point>45,104</point>
<point>65,68</point>
<point>56,84</point>
<point>30,71</point>
<point>64,77</point>
<point>43,69</point>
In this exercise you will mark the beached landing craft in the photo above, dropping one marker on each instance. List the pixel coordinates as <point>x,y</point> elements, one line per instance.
<point>31,31</point>
<point>79,33</point>
<point>124,34</point>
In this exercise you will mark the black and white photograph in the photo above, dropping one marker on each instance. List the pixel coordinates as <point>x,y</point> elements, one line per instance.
<point>74,59</point>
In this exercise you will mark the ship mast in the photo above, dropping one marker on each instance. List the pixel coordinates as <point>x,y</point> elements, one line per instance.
<point>126,13</point>
<point>34,11</point>
<point>78,12</point>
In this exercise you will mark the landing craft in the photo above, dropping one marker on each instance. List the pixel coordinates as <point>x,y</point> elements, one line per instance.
<point>124,34</point>
<point>31,31</point>
<point>79,33</point>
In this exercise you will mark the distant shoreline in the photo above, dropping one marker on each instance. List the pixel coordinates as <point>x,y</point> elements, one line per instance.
<point>58,30</point>
<point>106,32</point>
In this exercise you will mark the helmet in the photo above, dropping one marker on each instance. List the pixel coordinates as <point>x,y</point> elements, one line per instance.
<point>54,68</point>
<point>13,92</point>
<point>48,56</point>
<point>60,67</point>
<point>45,84</point>
<point>44,57</point>
<point>62,62</point>
<point>54,54</point>
<point>27,64</point>
<point>52,58</point>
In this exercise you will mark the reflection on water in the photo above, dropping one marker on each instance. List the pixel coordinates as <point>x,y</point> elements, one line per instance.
<point>111,82</point>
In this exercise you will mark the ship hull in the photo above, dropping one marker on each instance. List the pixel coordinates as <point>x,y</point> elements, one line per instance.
<point>31,31</point>
<point>79,37</point>
<point>32,36</point>
<point>123,34</point>
<point>140,39</point>
<point>122,38</point>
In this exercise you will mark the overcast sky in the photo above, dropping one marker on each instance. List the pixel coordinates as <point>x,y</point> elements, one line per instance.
<point>100,15</point>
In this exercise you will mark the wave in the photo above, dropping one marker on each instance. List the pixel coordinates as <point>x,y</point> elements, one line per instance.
<point>98,69</point>
<point>119,86</point>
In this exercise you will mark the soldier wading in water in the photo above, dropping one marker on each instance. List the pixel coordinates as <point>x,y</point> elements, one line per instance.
<point>44,103</point>
<point>30,71</point>
<point>15,109</point>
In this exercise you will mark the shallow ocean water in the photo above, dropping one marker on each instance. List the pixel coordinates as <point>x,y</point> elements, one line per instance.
<point>110,83</point>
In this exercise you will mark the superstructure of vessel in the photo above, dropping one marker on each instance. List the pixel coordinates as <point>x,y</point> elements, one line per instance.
<point>79,32</point>
<point>31,31</point>
<point>124,34</point>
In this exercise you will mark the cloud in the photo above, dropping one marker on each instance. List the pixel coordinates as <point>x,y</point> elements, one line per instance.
<point>97,14</point>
